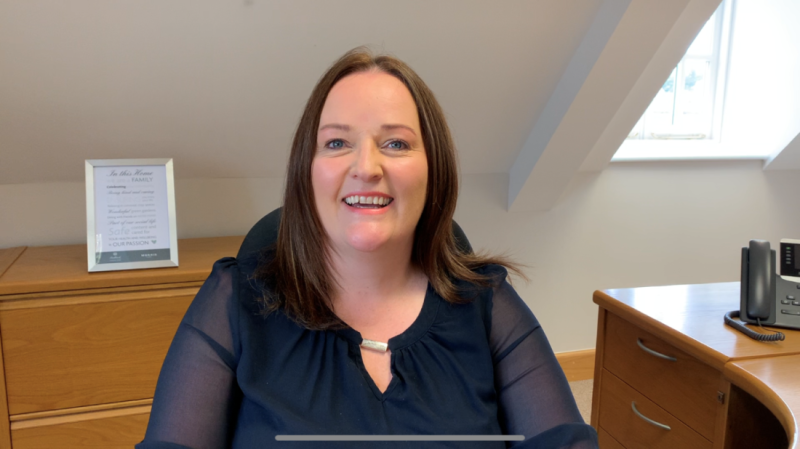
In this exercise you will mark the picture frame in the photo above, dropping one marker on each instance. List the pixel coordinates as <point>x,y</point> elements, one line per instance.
<point>130,214</point>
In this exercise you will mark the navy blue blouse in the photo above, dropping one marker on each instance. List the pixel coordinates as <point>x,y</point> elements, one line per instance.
<point>236,378</point>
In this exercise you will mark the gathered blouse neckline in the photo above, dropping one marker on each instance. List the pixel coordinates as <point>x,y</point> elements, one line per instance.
<point>420,326</point>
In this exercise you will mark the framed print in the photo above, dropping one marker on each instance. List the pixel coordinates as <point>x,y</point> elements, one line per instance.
<point>130,214</point>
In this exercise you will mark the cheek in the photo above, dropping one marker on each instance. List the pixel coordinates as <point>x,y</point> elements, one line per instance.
<point>417,179</point>
<point>323,178</point>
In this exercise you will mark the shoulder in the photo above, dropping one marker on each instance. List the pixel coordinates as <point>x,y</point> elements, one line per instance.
<point>502,302</point>
<point>222,280</point>
<point>252,286</point>
<point>479,296</point>
<point>493,276</point>
<point>497,274</point>
<point>229,290</point>
<point>218,290</point>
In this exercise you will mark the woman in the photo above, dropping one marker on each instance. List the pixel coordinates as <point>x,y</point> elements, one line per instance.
<point>365,319</point>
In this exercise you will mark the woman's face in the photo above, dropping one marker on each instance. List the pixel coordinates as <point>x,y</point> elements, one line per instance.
<point>370,171</point>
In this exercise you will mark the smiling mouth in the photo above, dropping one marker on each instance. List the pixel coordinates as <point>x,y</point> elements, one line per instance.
<point>368,202</point>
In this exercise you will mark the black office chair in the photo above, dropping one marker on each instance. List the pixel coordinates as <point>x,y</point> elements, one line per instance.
<point>265,233</point>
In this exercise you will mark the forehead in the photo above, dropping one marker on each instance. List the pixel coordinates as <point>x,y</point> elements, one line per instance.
<point>368,97</point>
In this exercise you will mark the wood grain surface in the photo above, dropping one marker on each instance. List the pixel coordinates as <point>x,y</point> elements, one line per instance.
<point>5,430</point>
<point>87,354</point>
<point>720,434</point>
<point>64,412</point>
<point>759,379</point>
<point>61,268</point>
<point>619,420</point>
<point>607,441</point>
<point>81,352</point>
<point>690,317</point>
<point>6,301</point>
<point>751,425</point>
<point>775,383</point>
<point>101,433</point>
<point>686,388</point>
<point>599,357</point>
<point>8,256</point>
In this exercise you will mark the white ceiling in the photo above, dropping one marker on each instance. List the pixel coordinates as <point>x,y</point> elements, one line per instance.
<point>219,85</point>
<point>535,88</point>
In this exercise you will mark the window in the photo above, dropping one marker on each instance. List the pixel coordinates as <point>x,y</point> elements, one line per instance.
<point>685,119</point>
<point>685,106</point>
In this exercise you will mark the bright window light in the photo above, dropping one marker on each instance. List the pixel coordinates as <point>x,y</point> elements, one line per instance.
<point>684,120</point>
<point>685,105</point>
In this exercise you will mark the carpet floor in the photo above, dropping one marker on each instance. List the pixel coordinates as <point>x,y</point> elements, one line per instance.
<point>582,390</point>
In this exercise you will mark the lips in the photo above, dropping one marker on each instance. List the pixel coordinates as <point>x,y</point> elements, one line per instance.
<point>368,201</point>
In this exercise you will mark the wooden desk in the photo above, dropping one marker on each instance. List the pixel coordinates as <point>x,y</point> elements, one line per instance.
<point>720,389</point>
<point>81,352</point>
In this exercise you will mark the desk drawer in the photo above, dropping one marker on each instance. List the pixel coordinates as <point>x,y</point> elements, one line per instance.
<point>606,441</point>
<point>104,433</point>
<point>625,426</point>
<point>73,355</point>
<point>686,387</point>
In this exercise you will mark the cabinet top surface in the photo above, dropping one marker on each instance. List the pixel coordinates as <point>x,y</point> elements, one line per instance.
<point>691,316</point>
<point>64,268</point>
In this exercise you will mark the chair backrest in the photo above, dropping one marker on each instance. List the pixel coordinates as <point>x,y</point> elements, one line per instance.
<point>265,233</point>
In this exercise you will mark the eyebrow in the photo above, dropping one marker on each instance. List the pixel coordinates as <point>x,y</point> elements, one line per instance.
<point>335,126</point>
<point>385,127</point>
<point>396,126</point>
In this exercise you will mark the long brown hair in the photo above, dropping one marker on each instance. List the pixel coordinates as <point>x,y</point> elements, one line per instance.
<point>297,273</point>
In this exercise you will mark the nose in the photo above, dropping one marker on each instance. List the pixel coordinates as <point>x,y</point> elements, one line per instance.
<point>367,166</point>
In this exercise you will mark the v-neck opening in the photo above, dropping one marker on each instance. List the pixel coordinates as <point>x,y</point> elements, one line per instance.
<point>418,328</point>
<point>412,334</point>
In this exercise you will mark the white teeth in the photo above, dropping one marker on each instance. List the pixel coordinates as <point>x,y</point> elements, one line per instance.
<point>367,200</point>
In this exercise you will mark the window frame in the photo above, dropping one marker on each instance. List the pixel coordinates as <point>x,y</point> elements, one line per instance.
<point>680,148</point>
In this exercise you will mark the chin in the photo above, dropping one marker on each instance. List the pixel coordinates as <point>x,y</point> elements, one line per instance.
<point>367,238</point>
<point>366,243</point>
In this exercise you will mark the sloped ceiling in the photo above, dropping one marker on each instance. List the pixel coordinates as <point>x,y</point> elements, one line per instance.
<point>537,89</point>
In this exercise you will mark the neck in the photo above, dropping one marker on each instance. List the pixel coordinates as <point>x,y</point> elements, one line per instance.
<point>373,277</point>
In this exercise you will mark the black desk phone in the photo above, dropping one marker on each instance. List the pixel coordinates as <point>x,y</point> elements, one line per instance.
<point>769,298</point>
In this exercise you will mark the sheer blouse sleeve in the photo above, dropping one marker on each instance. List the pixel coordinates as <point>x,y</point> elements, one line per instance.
<point>534,397</point>
<point>196,397</point>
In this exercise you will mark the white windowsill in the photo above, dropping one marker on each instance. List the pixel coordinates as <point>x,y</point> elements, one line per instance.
<point>653,150</point>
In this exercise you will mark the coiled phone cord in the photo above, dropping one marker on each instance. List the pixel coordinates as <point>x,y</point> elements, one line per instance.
<point>738,325</point>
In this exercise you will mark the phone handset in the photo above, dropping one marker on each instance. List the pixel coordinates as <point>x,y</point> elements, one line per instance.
<point>757,290</point>
<point>760,278</point>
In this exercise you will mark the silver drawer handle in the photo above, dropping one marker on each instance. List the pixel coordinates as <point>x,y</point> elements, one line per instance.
<point>657,354</point>
<point>655,423</point>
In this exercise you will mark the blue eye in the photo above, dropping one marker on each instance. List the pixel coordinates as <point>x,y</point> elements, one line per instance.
<point>397,145</point>
<point>335,144</point>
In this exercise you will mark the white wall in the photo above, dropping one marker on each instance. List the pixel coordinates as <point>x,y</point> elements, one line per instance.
<point>634,224</point>
<point>55,213</point>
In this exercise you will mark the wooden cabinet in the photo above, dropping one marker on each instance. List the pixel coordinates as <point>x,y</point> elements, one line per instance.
<point>670,374</point>
<point>81,352</point>
<point>685,387</point>
<point>623,417</point>
<point>645,378</point>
